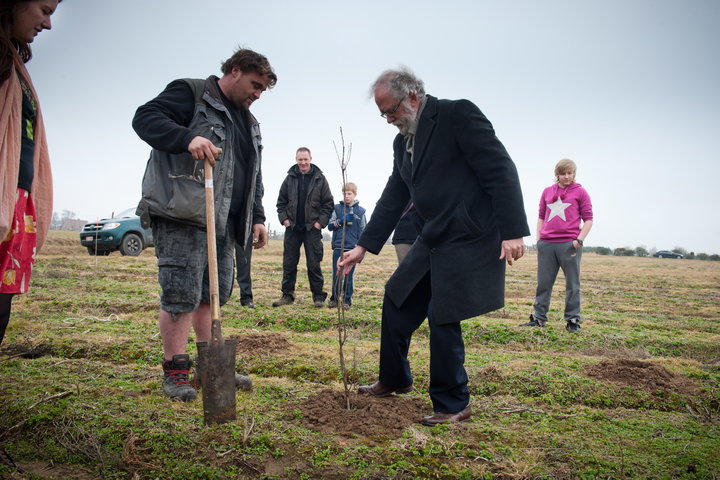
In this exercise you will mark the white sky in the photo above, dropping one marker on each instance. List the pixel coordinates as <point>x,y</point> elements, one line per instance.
<point>629,89</point>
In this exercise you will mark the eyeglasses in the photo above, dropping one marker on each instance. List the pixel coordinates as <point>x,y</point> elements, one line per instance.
<point>394,109</point>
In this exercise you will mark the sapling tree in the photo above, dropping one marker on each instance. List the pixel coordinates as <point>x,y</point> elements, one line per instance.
<point>343,156</point>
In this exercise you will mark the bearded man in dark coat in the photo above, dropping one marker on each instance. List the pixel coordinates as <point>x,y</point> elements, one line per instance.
<point>471,219</point>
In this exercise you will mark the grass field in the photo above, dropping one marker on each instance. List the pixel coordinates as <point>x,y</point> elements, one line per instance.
<point>636,394</point>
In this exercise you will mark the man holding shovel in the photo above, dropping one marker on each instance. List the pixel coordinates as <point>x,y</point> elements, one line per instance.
<point>191,121</point>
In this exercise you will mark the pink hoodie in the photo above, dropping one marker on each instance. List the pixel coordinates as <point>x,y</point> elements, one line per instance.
<point>562,209</point>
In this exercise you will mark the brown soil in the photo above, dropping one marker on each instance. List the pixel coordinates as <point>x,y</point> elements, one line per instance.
<point>26,350</point>
<point>646,375</point>
<point>326,412</point>
<point>259,343</point>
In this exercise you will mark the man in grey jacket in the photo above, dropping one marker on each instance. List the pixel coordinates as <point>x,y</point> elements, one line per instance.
<point>191,121</point>
<point>304,207</point>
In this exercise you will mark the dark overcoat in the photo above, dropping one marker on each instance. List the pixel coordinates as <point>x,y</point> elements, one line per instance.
<point>468,199</point>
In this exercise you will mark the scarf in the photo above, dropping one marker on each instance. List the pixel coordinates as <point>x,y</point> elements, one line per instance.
<point>10,124</point>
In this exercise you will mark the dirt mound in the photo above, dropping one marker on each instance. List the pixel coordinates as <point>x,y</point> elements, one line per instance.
<point>646,375</point>
<point>259,343</point>
<point>326,412</point>
<point>26,350</point>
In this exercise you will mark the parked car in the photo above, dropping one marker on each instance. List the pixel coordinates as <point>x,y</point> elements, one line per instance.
<point>122,232</point>
<point>667,254</point>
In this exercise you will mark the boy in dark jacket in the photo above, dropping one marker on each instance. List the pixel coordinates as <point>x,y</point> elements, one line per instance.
<point>347,223</point>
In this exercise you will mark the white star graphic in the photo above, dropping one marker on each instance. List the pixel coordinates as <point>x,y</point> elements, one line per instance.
<point>557,209</point>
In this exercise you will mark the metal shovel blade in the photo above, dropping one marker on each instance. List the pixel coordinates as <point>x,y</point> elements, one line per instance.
<point>216,361</point>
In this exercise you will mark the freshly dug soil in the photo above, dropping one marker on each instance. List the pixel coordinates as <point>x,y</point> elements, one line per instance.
<point>326,412</point>
<point>646,375</point>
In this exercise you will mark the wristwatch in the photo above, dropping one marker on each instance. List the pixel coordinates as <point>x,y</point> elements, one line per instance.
<point>579,241</point>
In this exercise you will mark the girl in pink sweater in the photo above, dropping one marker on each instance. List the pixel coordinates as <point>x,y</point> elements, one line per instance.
<point>564,220</point>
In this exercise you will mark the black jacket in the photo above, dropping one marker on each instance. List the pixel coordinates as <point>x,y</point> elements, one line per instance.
<point>318,203</point>
<point>467,199</point>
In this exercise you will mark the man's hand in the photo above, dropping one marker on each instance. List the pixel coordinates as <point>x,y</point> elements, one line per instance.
<point>259,235</point>
<point>286,223</point>
<point>512,250</point>
<point>317,225</point>
<point>201,148</point>
<point>350,259</point>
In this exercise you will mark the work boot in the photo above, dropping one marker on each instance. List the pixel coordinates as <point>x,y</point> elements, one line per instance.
<point>241,381</point>
<point>176,384</point>
<point>534,322</point>
<point>247,302</point>
<point>573,325</point>
<point>284,300</point>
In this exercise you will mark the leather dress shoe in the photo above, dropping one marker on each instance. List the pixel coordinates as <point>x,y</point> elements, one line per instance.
<point>439,417</point>
<point>379,389</point>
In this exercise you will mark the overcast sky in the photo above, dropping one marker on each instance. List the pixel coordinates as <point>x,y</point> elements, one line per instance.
<point>628,89</point>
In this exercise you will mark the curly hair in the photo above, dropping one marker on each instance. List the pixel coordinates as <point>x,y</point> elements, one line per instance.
<point>8,45</point>
<point>249,61</point>
<point>401,82</point>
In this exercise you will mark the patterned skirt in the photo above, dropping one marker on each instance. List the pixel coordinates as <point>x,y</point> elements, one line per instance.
<point>18,248</point>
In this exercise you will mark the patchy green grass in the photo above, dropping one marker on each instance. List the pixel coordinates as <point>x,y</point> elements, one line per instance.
<point>635,395</point>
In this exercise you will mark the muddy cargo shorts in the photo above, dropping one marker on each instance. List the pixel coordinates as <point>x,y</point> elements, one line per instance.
<point>181,251</point>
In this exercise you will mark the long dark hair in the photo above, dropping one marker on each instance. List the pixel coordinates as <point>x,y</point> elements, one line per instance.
<point>8,45</point>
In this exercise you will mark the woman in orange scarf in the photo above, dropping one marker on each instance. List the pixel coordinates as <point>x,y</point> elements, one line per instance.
<point>26,183</point>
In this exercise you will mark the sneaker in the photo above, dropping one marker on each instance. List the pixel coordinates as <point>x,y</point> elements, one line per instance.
<point>176,384</point>
<point>573,325</point>
<point>247,303</point>
<point>241,381</point>
<point>534,322</point>
<point>332,304</point>
<point>284,300</point>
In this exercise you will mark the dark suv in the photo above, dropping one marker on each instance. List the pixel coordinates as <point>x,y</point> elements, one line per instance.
<point>123,232</point>
<point>667,254</point>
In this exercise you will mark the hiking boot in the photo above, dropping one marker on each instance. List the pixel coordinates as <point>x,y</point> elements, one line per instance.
<point>573,325</point>
<point>176,384</point>
<point>534,322</point>
<point>241,381</point>
<point>332,304</point>
<point>284,300</point>
<point>247,302</point>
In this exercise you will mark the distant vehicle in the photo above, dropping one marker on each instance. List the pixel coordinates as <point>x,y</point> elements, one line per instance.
<point>123,232</point>
<point>667,254</point>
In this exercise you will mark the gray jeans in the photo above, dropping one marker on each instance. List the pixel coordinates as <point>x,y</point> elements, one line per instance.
<point>552,257</point>
<point>182,256</point>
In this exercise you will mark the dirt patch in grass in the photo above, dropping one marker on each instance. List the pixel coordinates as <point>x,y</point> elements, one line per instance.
<point>259,343</point>
<point>372,417</point>
<point>26,350</point>
<point>646,375</point>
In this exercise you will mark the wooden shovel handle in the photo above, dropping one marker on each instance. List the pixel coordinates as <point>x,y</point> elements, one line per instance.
<point>212,242</point>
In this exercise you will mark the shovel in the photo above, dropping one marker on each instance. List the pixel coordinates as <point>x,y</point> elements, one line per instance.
<point>216,358</point>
